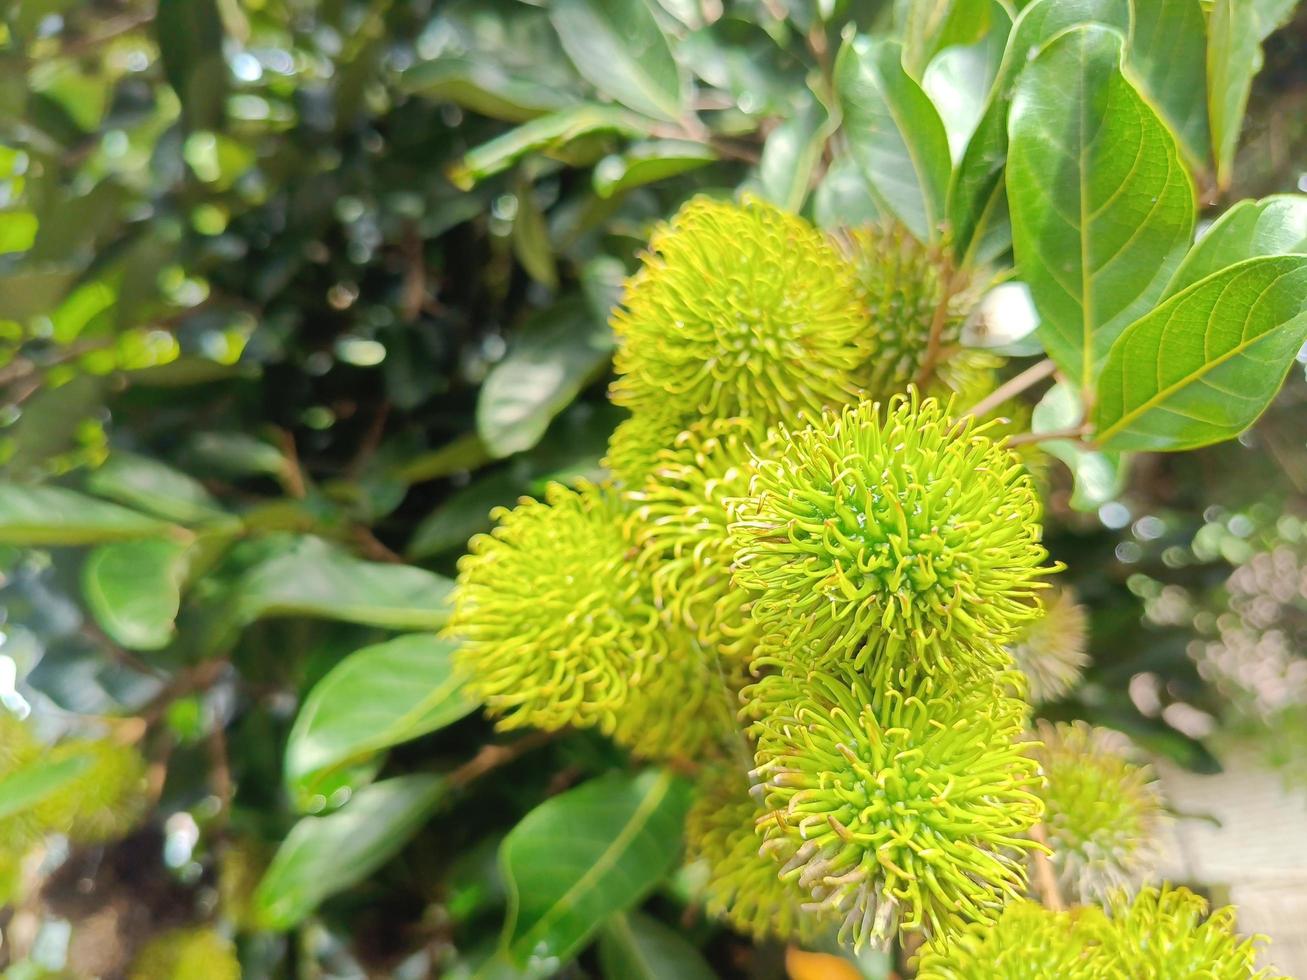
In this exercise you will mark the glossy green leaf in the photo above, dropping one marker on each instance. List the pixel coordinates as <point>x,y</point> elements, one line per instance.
<point>1106,207</point>
<point>1205,364</point>
<point>190,43</point>
<point>619,48</point>
<point>325,855</point>
<point>133,588</point>
<point>376,697</point>
<point>790,155</point>
<point>977,202</point>
<point>42,515</point>
<point>466,512</point>
<point>933,25</point>
<point>540,136</point>
<point>583,855</point>
<point>1098,475</point>
<point>960,78</point>
<point>645,163</point>
<point>313,578</point>
<point>1234,56</point>
<point>1275,225</point>
<point>483,86</point>
<point>635,946</point>
<point>28,786</point>
<point>551,360</point>
<point>1168,54</point>
<point>842,198</point>
<point>894,133</point>
<point>148,485</point>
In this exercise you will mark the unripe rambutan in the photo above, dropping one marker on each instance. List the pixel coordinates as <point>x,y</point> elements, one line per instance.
<point>901,535</point>
<point>739,309</point>
<point>636,443</point>
<point>1026,942</point>
<point>681,524</point>
<point>911,288</point>
<point>556,621</point>
<point>1052,650</point>
<point>105,801</point>
<point>1165,932</point>
<point>907,798</point>
<point>187,954</point>
<point>744,886</point>
<point>1102,811</point>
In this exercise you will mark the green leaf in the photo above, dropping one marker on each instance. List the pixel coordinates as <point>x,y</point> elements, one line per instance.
<point>842,198</point>
<point>645,163</point>
<point>933,25</point>
<point>325,855</point>
<point>25,293</point>
<point>1168,51</point>
<point>959,79</point>
<point>1105,207</point>
<point>635,946</point>
<point>1099,476</point>
<point>376,697</point>
<point>551,360</point>
<point>584,855</point>
<point>542,135</point>
<point>1234,56</point>
<point>151,486</point>
<point>27,787</point>
<point>977,203</point>
<point>1205,364</point>
<point>190,43</point>
<point>483,86</point>
<point>1275,225</point>
<point>790,155</point>
<point>531,242</point>
<point>39,515</point>
<point>619,48</point>
<point>465,513</point>
<point>313,578</point>
<point>133,588</point>
<point>894,133</point>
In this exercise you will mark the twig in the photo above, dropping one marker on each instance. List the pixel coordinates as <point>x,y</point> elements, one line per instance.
<point>1045,877</point>
<point>1028,378</point>
<point>493,756</point>
<point>933,345</point>
<point>220,769</point>
<point>293,478</point>
<point>196,678</point>
<point>1076,432</point>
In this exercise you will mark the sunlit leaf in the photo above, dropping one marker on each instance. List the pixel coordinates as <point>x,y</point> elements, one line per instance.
<point>42,515</point>
<point>133,588</point>
<point>1275,225</point>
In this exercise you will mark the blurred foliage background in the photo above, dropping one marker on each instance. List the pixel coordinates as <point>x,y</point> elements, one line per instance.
<point>272,344</point>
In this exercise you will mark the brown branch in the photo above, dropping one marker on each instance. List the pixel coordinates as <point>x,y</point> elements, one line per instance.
<point>1075,432</point>
<point>1045,877</point>
<point>1010,389</point>
<point>193,679</point>
<point>293,478</point>
<point>493,756</point>
<point>934,344</point>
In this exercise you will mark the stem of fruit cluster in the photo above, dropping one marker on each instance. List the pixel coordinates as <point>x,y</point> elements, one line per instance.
<point>1028,378</point>
<point>1045,877</point>
<point>1075,432</point>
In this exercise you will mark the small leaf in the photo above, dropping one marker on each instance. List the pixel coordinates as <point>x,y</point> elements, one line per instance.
<point>24,788</point>
<point>894,133</point>
<point>619,48</point>
<point>313,578</point>
<point>1099,475</point>
<point>635,946</point>
<point>1275,225</point>
<point>531,242</point>
<point>376,697</point>
<point>790,155</point>
<point>40,515</point>
<point>483,86</point>
<point>584,855</point>
<point>133,588</point>
<point>551,360</point>
<point>465,513</point>
<point>1205,364</point>
<point>325,855</point>
<point>149,485</point>
<point>1168,54</point>
<point>1105,207</point>
<point>645,163</point>
<point>540,136</point>
<point>842,198</point>
<point>1234,56</point>
<point>190,44</point>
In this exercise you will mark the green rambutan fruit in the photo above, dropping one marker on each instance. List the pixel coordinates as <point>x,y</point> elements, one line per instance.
<point>681,524</point>
<point>911,288</point>
<point>1166,932</point>
<point>901,534</point>
<point>187,954</point>
<point>739,310</point>
<point>556,621</point>
<point>744,886</point>
<point>1052,651</point>
<point>905,800</point>
<point>1026,942</point>
<point>637,442</point>
<point>1102,811</point>
<point>106,799</point>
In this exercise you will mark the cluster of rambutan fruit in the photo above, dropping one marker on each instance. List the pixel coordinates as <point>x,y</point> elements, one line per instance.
<point>818,580</point>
